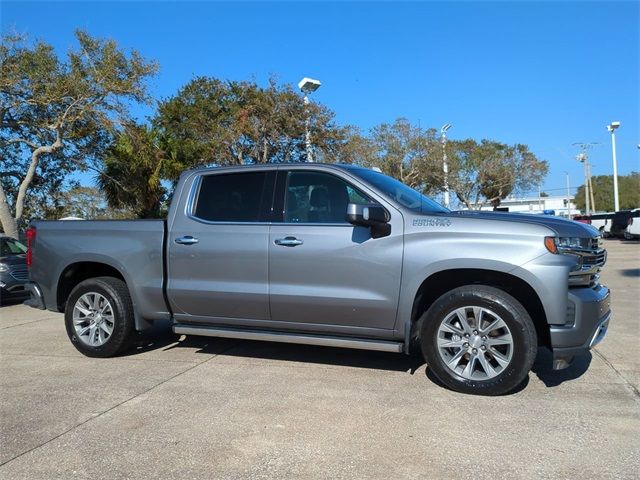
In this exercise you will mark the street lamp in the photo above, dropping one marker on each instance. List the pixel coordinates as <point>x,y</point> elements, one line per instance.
<point>568,197</point>
<point>445,165</point>
<point>307,86</point>
<point>612,128</point>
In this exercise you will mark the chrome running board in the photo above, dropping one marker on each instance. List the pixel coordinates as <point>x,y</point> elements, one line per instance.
<point>301,338</point>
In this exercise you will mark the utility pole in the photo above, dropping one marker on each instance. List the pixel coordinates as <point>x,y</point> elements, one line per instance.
<point>593,202</point>
<point>583,157</point>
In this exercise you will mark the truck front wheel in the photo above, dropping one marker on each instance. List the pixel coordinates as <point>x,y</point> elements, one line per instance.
<point>478,339</point>
<point>99,317</point>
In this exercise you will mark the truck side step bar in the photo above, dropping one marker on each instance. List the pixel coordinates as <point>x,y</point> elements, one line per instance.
<point>307,339</point>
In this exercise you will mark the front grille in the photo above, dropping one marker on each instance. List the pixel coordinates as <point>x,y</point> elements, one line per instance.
<point>595,259</point>
<point>592,261</point>
<point>19,272</point>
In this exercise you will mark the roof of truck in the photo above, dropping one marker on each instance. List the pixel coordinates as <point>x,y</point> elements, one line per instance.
<point>258,166</point>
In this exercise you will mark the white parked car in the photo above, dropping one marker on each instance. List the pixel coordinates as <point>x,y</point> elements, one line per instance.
<point>602,221</point>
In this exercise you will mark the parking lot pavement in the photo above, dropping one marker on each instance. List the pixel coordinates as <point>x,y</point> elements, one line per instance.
<point>214,408</point>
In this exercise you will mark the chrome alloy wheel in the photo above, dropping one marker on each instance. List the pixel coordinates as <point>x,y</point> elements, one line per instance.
<point>475,343</point>
<point>93,320</point>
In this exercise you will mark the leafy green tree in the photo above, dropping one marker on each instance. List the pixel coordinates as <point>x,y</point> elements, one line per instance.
<point>134,166</point>
<point>489,171</point>
<point>403,151</point>
<point>90,203</point>
<point>44,199</point>
<point>57,115</point>
<point>210,121</point>
<point>357,148</point>
<point>628,192</point>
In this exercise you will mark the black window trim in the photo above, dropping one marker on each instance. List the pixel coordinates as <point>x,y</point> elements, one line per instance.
<point>264,211</point>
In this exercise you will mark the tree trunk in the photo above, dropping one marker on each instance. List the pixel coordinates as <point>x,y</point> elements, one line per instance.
<point>464,200</point>
<point>35,157</point>
<point>265,147</point>
<point>9,224</point>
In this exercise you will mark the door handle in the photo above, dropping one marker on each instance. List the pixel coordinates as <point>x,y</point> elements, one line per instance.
<point>288,242</point>
<point>186,240</point>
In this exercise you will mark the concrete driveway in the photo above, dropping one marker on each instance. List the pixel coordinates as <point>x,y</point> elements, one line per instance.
<point>213,408</point>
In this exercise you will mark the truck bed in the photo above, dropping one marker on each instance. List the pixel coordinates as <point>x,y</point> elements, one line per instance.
<point>132,247</point>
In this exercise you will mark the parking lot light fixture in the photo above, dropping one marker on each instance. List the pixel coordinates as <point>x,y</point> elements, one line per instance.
<point>445,165</point>
<point>612,128</point>
<point>308,86</point>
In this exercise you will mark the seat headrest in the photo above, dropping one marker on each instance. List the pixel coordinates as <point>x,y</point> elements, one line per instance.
<point>319,198</point>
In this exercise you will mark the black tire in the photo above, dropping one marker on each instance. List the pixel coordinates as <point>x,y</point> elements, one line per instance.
<point>116,292</point>
<point>516,318</point>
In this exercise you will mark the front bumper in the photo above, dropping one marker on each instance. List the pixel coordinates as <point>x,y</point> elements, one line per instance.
<point>587,324</point>
<point>11,287</point>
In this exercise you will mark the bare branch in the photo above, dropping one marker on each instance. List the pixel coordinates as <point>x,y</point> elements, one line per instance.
<point>11,173</point>
<point>23,140</point>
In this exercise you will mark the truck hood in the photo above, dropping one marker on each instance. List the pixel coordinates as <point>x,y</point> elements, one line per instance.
<point>561,226</point>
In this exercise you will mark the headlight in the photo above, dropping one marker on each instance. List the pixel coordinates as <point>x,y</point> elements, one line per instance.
<point>566,244</point>
<point>3,267</point>
<point>573,242</point>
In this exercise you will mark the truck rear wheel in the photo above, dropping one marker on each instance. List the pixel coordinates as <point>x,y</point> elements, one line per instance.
<point>478,339</point>
<point>99,317</point>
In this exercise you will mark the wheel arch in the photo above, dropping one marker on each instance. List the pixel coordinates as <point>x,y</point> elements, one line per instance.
<point>77,272</point>
<point>443,281</point>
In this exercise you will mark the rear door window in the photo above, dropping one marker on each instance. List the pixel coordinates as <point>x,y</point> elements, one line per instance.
<point>232,197</point>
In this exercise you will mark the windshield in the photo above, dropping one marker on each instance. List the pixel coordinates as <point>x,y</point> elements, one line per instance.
<point>10,246</point>
<point>399,192</point>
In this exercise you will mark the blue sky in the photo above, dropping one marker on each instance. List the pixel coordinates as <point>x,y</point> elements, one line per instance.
<point>547,74</point>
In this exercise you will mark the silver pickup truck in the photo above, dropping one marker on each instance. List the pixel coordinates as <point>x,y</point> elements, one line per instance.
<point>331,255</point>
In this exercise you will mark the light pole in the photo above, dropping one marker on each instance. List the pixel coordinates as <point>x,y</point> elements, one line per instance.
<point>612,128</point>
<point>584,159</point>
<point>568,197</point>
<point>445,165</point>
<point>307,86</point>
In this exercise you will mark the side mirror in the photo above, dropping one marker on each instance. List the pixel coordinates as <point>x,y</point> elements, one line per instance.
<point>372,215</point>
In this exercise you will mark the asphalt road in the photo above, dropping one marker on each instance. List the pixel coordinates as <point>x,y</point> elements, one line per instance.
<point>213,408</point>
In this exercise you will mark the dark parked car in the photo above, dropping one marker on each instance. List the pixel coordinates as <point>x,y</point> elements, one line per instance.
<point>13,269</point>
<point>621,220</point>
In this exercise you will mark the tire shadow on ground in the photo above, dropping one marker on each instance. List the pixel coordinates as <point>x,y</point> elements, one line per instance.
<point>7,301</point>
<point>160,337</point>
<point>543,368</point>
<point>630,272</point>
